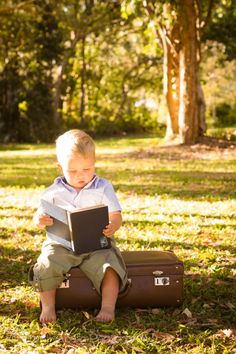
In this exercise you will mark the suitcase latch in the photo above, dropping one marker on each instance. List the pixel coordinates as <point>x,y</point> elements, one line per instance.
<point>161,281</point>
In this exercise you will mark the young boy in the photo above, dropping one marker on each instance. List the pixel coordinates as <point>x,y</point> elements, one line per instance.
<point>79,187</point>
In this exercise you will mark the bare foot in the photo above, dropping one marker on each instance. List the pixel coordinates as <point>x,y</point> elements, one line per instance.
<point>48,315</point>
<point>106,314</point>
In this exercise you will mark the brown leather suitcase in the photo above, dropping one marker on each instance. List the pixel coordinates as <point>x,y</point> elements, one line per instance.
<point>155,280</point>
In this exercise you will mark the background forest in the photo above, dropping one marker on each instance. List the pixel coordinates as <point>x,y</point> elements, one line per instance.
<point>98,65</point>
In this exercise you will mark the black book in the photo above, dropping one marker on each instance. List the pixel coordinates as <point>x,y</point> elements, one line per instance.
<point>83,227</point>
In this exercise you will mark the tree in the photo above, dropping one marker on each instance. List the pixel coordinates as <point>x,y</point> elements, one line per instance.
<point>30,45</point>
<point>178,26</point>
<point>95,64</point>
<point>13,40</point>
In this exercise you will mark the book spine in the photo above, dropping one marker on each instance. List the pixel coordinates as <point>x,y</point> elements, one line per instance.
<point>70,228</point>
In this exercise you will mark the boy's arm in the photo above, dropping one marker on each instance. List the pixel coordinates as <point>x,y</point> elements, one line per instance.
<point>115,222</point>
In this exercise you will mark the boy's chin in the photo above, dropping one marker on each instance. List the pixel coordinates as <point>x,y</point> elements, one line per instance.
<point>80,185</point>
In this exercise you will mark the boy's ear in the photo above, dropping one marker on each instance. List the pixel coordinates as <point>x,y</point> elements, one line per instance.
<point>59,167</point>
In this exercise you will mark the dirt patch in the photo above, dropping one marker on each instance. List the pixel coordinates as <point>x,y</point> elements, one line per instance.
<point>206,149</point>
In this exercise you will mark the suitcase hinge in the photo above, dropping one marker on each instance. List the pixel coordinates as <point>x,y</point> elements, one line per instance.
<point>161,281</point>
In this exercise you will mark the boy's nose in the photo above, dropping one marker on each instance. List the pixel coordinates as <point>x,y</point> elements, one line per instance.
<point>80,175</point>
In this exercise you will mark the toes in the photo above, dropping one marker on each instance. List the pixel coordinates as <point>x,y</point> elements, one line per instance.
<point>46,318</point>
<point>105,316</point>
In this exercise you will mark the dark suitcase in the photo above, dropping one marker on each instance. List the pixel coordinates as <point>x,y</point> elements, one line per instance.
<point>155,280</point>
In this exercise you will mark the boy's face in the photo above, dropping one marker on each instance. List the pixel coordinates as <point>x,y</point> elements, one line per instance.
<point>78,170</point>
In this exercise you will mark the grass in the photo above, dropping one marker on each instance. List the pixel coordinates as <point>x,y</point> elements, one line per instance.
<point>179,198</point>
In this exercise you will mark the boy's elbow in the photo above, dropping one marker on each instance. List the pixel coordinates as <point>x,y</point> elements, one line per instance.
<point>121,219</point>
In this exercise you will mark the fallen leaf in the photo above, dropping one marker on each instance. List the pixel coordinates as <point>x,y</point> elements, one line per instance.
<point>212,320</point>
<point>206,306</point>
<point>195,299</point>
<point>156,311</point>
<point>86,315</point>
<point>187,313</point>
<point>221,282</point>
<point>71,351</point>
<point>189,321</point>
<point>64,337</point>
<point>137,349</point>
<point>149,330</point>
<point>142,310</point>
<point>229,332</point>
<point>30,304</point>
<point>162,335</point>
<point>209,243</point>
<point>44,331</point>
<point>229,305</point>
<point>112,340</point>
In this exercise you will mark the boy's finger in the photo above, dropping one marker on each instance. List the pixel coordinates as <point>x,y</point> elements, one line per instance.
<point>50,221</point>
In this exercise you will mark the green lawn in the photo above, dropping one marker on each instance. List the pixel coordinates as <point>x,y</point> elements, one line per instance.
<point>178,198</point>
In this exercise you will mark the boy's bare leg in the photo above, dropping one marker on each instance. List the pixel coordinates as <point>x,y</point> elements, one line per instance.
<point>110,290</point>
<point>48,314</point>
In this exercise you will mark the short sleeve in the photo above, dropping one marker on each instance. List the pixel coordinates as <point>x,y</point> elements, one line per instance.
<point>110,199</point>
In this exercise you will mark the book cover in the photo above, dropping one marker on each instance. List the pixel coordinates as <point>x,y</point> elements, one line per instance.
<point>83,227</point>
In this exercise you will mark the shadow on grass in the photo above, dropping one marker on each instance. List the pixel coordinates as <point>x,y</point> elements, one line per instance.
<point>15,234</point>
<point>17,212</point>
<point>171,245</point>
<point>14,307</point>
<point>16,207</point>
<point>183,185</point>
<point>15,265</point>
<point>18,216</point>
<point>148,223</point>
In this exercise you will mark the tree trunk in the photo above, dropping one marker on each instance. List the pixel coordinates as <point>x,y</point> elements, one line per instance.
<point>180,38</point>
<point>168,35</point>
<point>59,82</point>
<point>82,82</point>
<point>201,108</point>
<point>188,109</point>
<point>57,95</point>
<point>171,91</point>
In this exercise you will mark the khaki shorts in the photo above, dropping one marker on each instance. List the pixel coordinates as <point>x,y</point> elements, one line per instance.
<point>55,261</point>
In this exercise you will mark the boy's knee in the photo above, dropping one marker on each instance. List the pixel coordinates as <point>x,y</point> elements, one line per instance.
<point>45,275</point>
<point>110,273</point>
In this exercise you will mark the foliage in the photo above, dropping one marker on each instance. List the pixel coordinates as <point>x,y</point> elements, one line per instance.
<point>226,115</point>
<point>115,86</point>
<point>180,198</point>
<point>90,63</point>
<point>27,55</point>
<point>223,27</point>
<point>219,85</point>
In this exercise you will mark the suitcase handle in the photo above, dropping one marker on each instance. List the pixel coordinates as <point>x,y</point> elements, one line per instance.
<point>126,290</point>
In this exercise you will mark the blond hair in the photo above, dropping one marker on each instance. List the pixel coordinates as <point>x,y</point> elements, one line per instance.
<point>74,141</point>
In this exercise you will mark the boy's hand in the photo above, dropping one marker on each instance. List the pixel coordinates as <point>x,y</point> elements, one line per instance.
<point>109,230</point>
<point>42,220</point>
<point>114,223</point>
